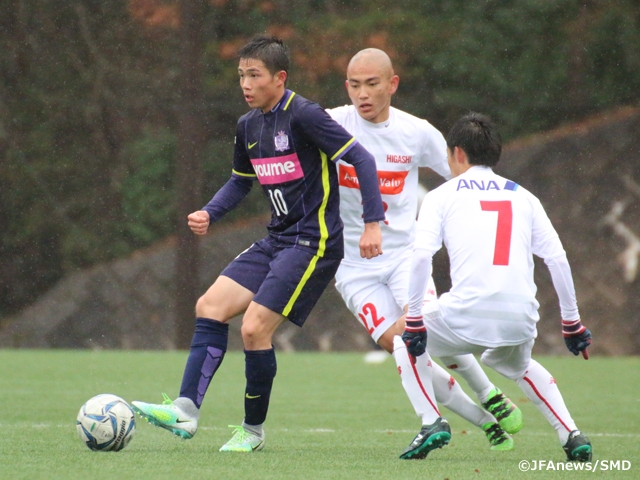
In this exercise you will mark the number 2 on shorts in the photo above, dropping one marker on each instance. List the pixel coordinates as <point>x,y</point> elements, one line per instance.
<point>503,230</point>
<point>370,309</point>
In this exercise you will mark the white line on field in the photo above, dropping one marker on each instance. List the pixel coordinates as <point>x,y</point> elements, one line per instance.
<point>331,430</point>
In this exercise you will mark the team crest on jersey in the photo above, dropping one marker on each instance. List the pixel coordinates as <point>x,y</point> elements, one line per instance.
<point>282,142</point>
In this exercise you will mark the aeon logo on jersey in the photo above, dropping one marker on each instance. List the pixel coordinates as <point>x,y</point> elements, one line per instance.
<point>391,183</point>
<point>277,169</point>
<point>399,158</point>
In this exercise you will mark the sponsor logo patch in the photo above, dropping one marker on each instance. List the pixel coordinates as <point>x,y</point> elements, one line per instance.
<point>391,183</point>
<point>277,169</point>
<point>479,185</point>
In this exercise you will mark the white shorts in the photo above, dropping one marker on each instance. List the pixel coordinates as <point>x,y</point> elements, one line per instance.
<point>377,296</point>
<point>511,361</point>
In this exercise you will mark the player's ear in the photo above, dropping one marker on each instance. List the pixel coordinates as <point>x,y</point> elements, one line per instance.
<point>346,85</point>
<point>395,81</point>
<point>281,76</point>
<point>460,155</point>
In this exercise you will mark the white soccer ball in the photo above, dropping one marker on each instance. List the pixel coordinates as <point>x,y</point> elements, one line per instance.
<point>106,423</point>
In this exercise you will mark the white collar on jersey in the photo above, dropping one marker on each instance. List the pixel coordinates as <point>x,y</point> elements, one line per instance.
<point>378,126</point>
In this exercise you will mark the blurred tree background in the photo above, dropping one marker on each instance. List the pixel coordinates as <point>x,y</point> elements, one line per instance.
<point>93,101</point>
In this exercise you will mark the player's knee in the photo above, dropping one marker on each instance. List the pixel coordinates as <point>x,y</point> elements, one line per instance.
<point>208,306</point>
<point>204,309</point>
<point>253,333</point>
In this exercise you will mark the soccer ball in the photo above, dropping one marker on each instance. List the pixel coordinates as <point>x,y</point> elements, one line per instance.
<point>106,423</point>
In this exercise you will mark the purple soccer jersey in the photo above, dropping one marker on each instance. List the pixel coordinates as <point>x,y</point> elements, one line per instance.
<point>291,151</point>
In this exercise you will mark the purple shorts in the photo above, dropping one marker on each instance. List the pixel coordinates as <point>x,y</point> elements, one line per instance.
<point>288,281</point>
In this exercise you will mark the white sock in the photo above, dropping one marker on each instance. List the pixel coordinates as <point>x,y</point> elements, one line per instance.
<point>469,369</point>
<point>255,429</point>
<point>449,394</point>
<point>417,380</point>
<point>540,387</point>
<point>187,406</point>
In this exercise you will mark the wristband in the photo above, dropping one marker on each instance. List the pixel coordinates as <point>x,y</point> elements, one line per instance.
<point>572,327</point>
<point>414,325</point>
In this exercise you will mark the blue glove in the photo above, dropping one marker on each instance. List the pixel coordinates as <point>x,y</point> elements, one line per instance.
<point>576,337</point>
<point>415,336</point>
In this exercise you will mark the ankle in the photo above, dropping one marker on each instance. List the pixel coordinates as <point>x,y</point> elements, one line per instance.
<point>255,429</point>
<point>187,406</point>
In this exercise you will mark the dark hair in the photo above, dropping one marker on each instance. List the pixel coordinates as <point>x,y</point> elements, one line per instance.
<point>478,136</point>
<point>270,50</point>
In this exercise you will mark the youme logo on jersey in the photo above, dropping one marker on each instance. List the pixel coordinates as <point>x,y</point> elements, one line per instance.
<point>277,169</point>
<point>391,183</point>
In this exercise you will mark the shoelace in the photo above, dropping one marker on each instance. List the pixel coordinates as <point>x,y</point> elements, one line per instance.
<point>167,400</point>
<point>240,432</point>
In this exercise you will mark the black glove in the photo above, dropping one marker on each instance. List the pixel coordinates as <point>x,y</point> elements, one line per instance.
<point>576,337</point>
<point>415,336</point>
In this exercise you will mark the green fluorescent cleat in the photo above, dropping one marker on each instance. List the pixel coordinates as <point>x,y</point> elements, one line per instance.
<point>499,439</point>
<point>243,441</point>
<point>509,416</point>
<point>167,416</point>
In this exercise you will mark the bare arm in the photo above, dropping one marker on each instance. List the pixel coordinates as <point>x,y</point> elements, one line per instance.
<point>371,241</point>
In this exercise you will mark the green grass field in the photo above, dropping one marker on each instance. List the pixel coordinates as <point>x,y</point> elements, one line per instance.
<point>332,416</point>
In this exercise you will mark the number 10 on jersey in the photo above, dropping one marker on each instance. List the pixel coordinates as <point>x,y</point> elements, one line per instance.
<point>277,199</point>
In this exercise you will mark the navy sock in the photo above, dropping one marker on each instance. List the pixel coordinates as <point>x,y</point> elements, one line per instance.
<point>208,347</point>
<point>260,370</point>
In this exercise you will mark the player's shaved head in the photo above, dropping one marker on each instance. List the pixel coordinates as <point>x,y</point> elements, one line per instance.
<point>372,57</point>
<point>371,83</point>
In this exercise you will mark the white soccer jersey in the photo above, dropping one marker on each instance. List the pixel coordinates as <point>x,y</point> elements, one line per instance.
<point>400,145</point>
<point>491,227</point>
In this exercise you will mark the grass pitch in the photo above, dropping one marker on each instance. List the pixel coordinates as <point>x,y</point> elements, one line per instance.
<point>332,416</point>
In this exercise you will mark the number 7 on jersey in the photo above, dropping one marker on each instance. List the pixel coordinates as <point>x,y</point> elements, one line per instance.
<point>503,230</point>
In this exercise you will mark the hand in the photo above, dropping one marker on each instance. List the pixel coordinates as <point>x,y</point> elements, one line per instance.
<point>199,222</point>
<point>416,342</point>
<point>415,336</point>
<point>579,343</point>
<point>576,337</point>
<point>371,241</point>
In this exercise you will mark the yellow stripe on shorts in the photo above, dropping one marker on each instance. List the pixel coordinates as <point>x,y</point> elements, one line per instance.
<point>301,284</point>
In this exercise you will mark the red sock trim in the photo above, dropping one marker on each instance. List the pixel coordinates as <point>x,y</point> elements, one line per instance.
<point>546,403</point>
<point>415,372</point>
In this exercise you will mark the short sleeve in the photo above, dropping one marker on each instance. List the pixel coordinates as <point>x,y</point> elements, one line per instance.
<point>434,151</point>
